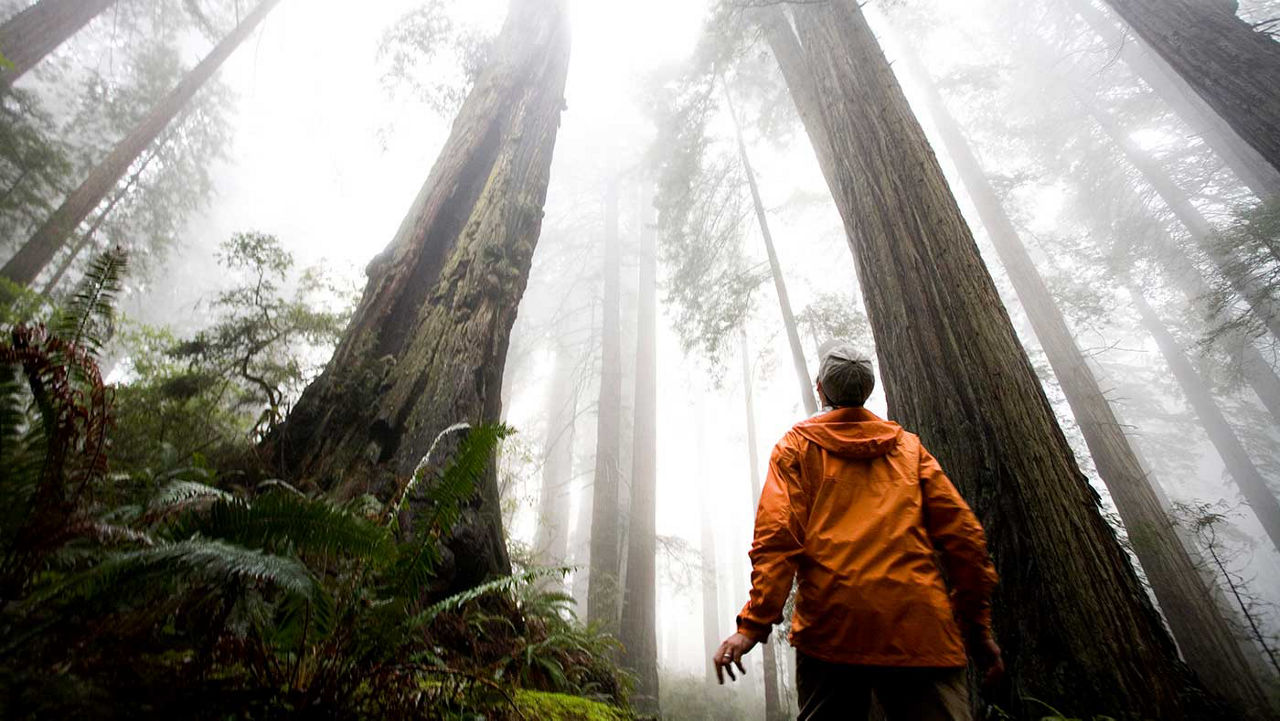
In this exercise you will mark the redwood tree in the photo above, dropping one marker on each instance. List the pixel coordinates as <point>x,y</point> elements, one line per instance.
<point>1186,595</point>
<point>27,37</point>
<point>1078,629</point>
<point>50,237</point>
<point>426,346</point>
<point>1228,63</point>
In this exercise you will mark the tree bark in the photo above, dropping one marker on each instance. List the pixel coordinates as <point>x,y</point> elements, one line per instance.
<point>775,269</point>
<point>50,237</point>
<point>426,346</point>
<point>603,591</point>
<point>1202,631</point>
<point>1078,629</point>
<point>1229,64</point>
<point>551,542</point>
<point>26,38</point>
<point>1262,179</point>
<point>773,710</point>
<point>639,604</point>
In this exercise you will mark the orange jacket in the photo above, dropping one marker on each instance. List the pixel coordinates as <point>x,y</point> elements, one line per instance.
<point>855,508</point>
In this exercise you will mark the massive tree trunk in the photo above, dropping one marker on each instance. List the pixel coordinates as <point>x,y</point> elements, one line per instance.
<point>426,346</point>
<point>26,38</point>
<point>551,540</point>
<point>1229,64</point>
<point>1200,398</point>
<point>603,591</point>
<point>775,269</point>
<point>1248,166</point>
<point>1078,629</point>
<point>49,238</point>
<point>639,603</point>
<point>1199,626</point>
<point>773,708</point>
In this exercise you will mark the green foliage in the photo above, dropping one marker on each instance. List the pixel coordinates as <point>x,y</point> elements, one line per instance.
<point>434,57</point>
<point>562,707</point>
<point>88,317</point>
<point>1250,246</point>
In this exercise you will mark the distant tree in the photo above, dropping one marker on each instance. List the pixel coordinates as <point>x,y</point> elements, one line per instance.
<point>1230,64</point>
<point>53,234</point>
<point>26,38</point>
<point>946,348</point>
<point>426,346</point>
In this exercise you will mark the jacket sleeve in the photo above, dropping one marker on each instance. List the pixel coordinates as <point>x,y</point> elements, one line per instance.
<point>958,536</point>
<point>779,541</point>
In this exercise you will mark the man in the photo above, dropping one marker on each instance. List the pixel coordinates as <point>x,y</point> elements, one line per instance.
<point>860,514</point>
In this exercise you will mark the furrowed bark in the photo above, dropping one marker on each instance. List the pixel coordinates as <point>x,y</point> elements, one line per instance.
<point>426,346</point>
<point>50,237</point>
<point>1229,64</point>
<point>1185,596</point>
<point>1078,629</point>
<point>29,36</point>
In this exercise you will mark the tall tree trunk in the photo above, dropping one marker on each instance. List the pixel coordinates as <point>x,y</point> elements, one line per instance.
<point>1201,629</point>
<point>606,563</point>
<point>26,38</point>
<point>1078,629</point>
<point>710,576</point>
<point>1200,398</point>
<point>1229,64</point>
<point>49,238</point>
<point>1248,166</point>
<point>426,346</point>
<point>551,541</point>
<point>639,603</point>
<point>775,269</point>
<point>773,709</point>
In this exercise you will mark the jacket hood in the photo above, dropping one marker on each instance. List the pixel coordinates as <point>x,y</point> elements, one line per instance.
<point>851,432</point>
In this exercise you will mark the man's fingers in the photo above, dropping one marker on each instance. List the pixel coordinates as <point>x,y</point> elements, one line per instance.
<point>737,658</point>
<point>719,672</point>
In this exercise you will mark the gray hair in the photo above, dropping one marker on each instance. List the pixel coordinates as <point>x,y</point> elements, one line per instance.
<point>845,374</point>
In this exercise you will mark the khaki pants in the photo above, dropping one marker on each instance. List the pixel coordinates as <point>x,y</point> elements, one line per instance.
<point>839,692</point>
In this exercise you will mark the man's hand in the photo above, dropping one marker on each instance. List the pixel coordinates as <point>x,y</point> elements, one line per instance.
<point>730,653</point>
<point>986,655</point>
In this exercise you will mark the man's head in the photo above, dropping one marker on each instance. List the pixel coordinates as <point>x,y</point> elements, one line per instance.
<point>845,377</point>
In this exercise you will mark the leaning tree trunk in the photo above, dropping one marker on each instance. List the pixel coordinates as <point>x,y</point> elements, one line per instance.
<point>639,602</point>
<point>1248,166</point>
<point>1078,629</point>
<point>775,268</point>
<point>773,709</point>
<point>426,346</point>
<point>1241,468</point>
<point>49,238</point>
<point>551,541</point>
<point>1201,629</point>
<point>26,38</point>
<point>1229,64</point>
<point>606,562</point>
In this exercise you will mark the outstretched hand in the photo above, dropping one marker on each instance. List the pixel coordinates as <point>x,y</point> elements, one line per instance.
<point>730,654</point>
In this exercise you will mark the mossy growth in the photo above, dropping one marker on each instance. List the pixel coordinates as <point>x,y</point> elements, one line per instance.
<point>563,707</point>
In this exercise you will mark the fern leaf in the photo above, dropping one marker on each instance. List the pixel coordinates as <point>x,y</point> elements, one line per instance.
<point>87,319</point>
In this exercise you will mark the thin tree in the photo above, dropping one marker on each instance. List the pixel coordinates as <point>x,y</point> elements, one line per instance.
<point>1078,629</point>
<point>426,346</point>
<point>1201,629</point>
<point>27,37</point>
<point>603,581</point>
<point>552,537</point>
<point>773,708</point>
<point>775,269</point>
<point>1228,63</point>
<point>639,602</point>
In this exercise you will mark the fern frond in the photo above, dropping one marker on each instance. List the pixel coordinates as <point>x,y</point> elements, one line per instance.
<point>181,493</point>
<point>281,520</point>
<point>88,317</point>
<point>200,561</point>
<point>506,584</point>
